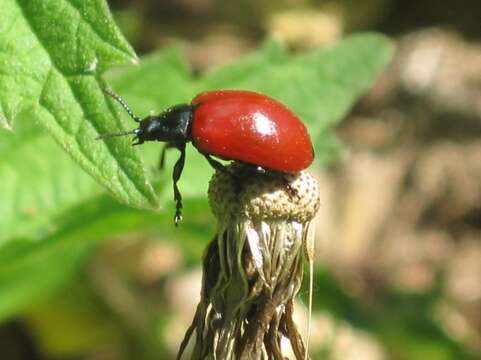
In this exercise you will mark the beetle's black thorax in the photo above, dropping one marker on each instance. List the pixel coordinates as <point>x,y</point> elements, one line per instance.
<point>172,125</point>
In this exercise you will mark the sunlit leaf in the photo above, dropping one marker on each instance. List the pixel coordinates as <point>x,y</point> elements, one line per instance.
<point>51,55</point>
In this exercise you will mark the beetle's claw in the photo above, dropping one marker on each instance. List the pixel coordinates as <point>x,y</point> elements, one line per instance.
<point>177,217</point>
<point>137,141</point>
<point>293,193</point>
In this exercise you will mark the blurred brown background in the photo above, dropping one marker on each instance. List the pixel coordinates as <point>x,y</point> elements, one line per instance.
<point>403,207</point>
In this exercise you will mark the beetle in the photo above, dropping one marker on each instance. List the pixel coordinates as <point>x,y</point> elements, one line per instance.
<point>238,125</point>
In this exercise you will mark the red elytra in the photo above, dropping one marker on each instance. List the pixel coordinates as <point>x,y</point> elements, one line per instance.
<point>230,124</point>
<point>252,128</point>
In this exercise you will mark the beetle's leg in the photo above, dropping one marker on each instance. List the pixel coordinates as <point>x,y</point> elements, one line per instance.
<point>255,169</point>
<point>216,164</point>
<point>292,191</point>
<point>179,166</point>
<point>224,169</point>
<point>162,154</point>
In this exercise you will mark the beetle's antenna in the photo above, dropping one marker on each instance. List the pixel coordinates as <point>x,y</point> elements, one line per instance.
<point>123,103</point>
<point>120,133</point>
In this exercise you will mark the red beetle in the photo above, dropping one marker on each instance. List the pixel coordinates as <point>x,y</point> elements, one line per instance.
<point>234,125</point>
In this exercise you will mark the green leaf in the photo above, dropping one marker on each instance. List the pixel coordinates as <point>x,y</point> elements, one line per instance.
<point>51,55</point>
<point>160,80</point>
<point>272,53</point>
<point>39,183</point>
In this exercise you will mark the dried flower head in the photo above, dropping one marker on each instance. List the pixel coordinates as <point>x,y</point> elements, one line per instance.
<point>253,267</point>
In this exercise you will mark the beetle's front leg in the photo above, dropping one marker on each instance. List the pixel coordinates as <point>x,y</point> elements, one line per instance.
<point>167,146</point>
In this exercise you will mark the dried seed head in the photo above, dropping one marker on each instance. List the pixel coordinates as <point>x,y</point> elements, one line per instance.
<point>255,197</point>
<point>253,267</point>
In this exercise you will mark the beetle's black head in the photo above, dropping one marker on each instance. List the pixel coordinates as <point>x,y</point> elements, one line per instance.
<point>172,125</point>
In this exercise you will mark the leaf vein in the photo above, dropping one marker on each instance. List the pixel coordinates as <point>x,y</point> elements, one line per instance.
<point>86,159</point>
